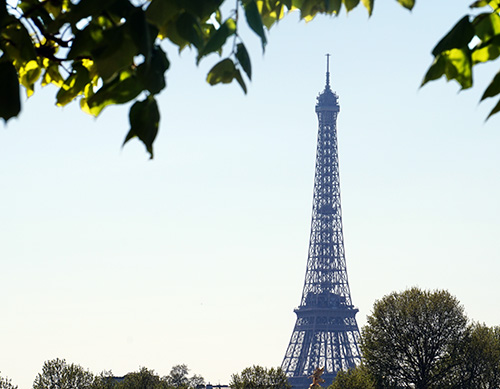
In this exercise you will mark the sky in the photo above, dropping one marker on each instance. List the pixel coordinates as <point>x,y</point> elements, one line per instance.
<point>114,261</point>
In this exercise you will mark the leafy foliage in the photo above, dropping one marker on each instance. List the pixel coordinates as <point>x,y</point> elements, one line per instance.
<point>6,383</point>
<point>178,378</point>
<point>142,379</point>
<point>104,53</point>
<point>412,338</point>
<point>256,377</point>
<point>57,373</point>
<point>474,40</point>
<point>479,362</point>
<point>357,378</point>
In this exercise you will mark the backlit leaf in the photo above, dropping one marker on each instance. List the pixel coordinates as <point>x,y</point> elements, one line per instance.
<point>350,4</point>
<point>52,75</point>
<point>218,38</point>
<point>334,6</point>
<point>254,20</point>
<point>368,5</point>
<point>170,31</point>
<point>189,29</point>
<point>495,110</point>
<point>115,54</point>
<point>144,119</point>
<point>16,41</point>
<point>244,59</point>
<point>271,11</point>
<point>117,92</point>
<point>141,33</point>
<point>459,67</point>
<point>488,52</point>
<point>28,75</point>
<point>408,4</point>
<point>455,64</point>
<point>85,41</point>
<point>223,72</point>
<point>487,25</point>
<point>161,12</point>
<point>240,80</point>
<point>436,70</point>
<point>493,89</point>
<point>459,36</point>
<point>10,101</point>
<point>73,85</point>
<point>152,75</point>
<point>479,4</point>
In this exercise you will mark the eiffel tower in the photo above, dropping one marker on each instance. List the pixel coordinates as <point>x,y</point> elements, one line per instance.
<point>326,332</point>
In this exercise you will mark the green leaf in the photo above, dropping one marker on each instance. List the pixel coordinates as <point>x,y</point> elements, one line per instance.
<point>16,41</point>
<point>436,70</point>
<point>240,80</point>
<point>203,9</point>
<point>28,75</point>
<point>142,33</point>
<point>152,75</point>
<point>189,29</point>
<point>218,39</point>
<point>117,92</point>
<point>486,25</point>
<point>244,59</point>
<point>3,13</point>
<point>116,52</point>
<point>52,75</point>
<point>144,120</point>
<point>254,20</point>
<point>408,4</point>
<point>455,64</point>
<point>495,110</point>
<point>223,72</point>
<point>459,36</point>
<point>10,100</point>
<point>350,4</point>
<point>480,4</point>
<point>86,8</point>
<point>333,6</point>
<point>368,5</point>
<point>493,89</point>
<point>73,85</point>
<point>272,13</point>
<point>487,52</point>
<point>459,67</point>
<point>161,12</point>
<point>85,41</point>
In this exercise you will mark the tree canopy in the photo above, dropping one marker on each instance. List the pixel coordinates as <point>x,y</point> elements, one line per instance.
<point>356,378</point>
<point>258,377</point>
<point>479,362</point>
<point>6,383</point>
<point>412,338</point>
<point>57,373</point>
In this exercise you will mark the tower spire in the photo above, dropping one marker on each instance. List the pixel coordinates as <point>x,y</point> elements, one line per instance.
<point>327,70</point>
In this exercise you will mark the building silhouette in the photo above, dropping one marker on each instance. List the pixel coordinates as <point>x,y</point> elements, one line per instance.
<point>326,333</point>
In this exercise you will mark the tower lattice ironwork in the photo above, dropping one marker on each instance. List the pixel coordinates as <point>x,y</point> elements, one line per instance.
<point>326,332</point>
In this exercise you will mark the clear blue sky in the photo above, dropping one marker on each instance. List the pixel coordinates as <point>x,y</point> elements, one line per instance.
<point>113,261</point>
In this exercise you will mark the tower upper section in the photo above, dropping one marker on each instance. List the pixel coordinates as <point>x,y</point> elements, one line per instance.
<point>327,100</point>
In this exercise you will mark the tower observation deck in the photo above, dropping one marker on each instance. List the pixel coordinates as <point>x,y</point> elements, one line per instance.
<point>326,333</point>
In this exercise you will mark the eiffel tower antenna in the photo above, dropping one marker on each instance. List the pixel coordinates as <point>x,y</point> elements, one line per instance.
<point>327,70</point>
